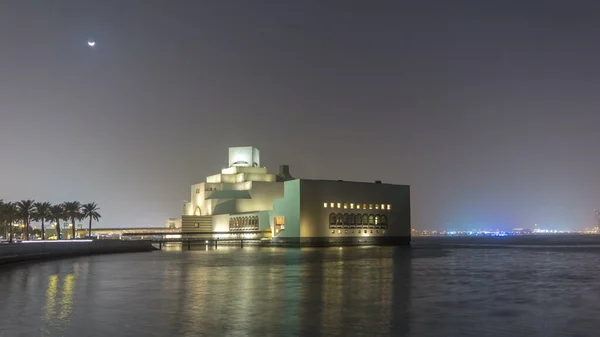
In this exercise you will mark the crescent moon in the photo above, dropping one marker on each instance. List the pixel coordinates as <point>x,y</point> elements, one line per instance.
<point>91,43</point>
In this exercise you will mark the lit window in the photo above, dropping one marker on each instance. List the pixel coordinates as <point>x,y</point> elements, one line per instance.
<point>383,231</point>
<point>331,205</point>
<point>351,205</point>
<point>357,206</point>
<point>389,207</point>
<point>333,231</point>
<point>345,205</point>
<point>339,231</point>
<point>325,205</point>
<point>376,206</point>
<point>370,206</point>
<point>382,206</point>
<point>364,206</point>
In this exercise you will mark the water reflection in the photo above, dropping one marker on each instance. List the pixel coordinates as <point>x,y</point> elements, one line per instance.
<point>59,300</point>
<point>223,292</point>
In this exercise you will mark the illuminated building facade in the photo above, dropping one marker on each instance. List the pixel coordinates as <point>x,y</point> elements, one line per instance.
<point>244,200</point>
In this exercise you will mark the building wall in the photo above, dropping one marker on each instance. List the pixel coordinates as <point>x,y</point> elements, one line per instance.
<point>315,217</point>
<point>262,195</point>
<point>192,224</point>
<point>289,208</point>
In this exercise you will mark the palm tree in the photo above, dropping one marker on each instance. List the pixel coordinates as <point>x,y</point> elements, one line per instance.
<point>90,211</point>
<point>72,211</point>
<point>57,213</point>
<point>26,209</point>
<point>2,221</point>
<point>8,215</point>
<point>42,214</point>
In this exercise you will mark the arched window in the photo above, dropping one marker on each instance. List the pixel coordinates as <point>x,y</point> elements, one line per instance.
<point>377,219</point>
<point>365,220</point>
<point>331,219</point>
<point>339,219</point>
<point>371,220</point>
<point>383,221</point>
<point>352,219</point>
<point>358,219</point>
<point>346,219</point>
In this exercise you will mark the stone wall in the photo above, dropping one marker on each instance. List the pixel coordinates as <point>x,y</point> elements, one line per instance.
<point>18,252</point>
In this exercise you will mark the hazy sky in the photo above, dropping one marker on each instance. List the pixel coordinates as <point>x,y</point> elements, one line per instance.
<point>488,109</point>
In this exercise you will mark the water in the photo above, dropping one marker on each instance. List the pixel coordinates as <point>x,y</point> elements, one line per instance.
<point>429,290</point>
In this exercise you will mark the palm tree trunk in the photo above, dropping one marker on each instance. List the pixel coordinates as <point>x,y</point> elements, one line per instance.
<point>57,229</point>
<point>43,231</point>
<point>90,230</point>
<point>27,228</point>
<point>11,232</point>
<point>73,228</point>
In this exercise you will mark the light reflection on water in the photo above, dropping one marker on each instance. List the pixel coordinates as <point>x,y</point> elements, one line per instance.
<point>354,291</point>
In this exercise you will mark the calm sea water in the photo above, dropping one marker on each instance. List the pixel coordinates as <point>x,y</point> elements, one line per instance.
<point>429,290</point>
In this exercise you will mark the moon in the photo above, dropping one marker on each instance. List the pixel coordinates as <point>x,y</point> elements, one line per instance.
<point>91,43</point>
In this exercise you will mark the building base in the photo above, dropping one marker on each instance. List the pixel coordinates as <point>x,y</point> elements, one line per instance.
<point>341,241</point>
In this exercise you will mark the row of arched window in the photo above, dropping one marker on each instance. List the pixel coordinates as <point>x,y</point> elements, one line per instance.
<point>346,220</point>
<point>243,223</point>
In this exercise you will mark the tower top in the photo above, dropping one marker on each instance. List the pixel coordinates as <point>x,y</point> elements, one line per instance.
<point>248,156</point>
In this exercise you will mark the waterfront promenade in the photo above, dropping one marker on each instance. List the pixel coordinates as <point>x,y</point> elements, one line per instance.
<point>34,250</point>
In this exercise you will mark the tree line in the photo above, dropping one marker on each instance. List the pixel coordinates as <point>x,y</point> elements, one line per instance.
<point>26,211</point>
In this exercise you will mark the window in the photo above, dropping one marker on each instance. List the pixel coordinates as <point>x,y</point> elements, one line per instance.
<point>365,220</point>
<point>389,207</point>
<point>383,221</point>
<point>371,219</point>
<point>357,206</point>
<point>346,219</point>
<point>365,231</point>
<point>339,205</point>
<point>324,205</point>
<point>345,205</point>
<point>382,206</point>
<point>346,231</point>
<point>351,205</point>
<point>377,219</point>
<point>339,220</point>
<point>364,206</point>
<point>376,206</point>
<point>358,219</point>
<point>196,225</point>
<point>339,231</point>
<point>279,222</point>
<point>371,231</point>
<point>331,205</point>
<point>331,219</point>
<point>370,206</point>
<point>197,191</point>
<point>333,231</point>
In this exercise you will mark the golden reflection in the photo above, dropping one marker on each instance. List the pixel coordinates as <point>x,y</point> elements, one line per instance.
<point>51,296</point>
<point>59,305</point>
<point>67,297</point>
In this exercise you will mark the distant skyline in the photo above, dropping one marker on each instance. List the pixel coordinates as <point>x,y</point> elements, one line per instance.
<point>488,109</point>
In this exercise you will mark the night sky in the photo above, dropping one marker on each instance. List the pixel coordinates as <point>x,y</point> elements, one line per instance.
<point>488,109</point>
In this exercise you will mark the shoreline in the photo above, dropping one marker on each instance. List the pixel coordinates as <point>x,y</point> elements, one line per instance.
<point>32,250</point>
